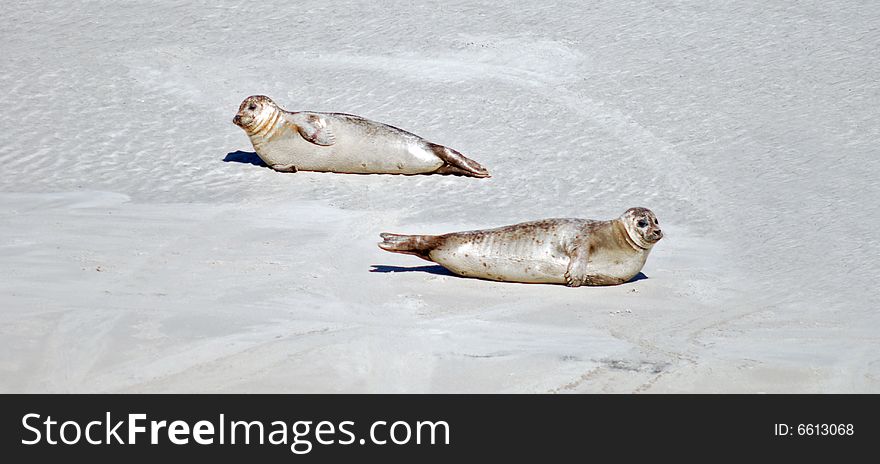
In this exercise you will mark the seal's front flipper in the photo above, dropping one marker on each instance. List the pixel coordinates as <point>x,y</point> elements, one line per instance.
<point>313,128</point>
<point>456,163</point>
<point>576,274</point>
<point>284,167</point>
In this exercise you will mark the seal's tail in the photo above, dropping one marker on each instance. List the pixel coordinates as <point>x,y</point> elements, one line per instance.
<point>419,245</point>
<point>456,163</point>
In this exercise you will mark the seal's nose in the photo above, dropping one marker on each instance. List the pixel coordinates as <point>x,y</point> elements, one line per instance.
<point>236,120</point>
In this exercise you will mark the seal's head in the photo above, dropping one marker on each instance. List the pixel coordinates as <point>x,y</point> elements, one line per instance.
<point>642,227</point>
<point>253,112</point>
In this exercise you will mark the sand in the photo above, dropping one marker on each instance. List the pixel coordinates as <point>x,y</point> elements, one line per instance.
<point>144,247</point>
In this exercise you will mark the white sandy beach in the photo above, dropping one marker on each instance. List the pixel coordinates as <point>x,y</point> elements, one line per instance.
<point>144,247</point>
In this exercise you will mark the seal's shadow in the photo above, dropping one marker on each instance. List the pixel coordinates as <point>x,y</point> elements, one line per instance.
<point>438,270</point>
<point>245,157</point>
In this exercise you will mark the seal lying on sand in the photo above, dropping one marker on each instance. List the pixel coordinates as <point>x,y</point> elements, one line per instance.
<point>559,251</point>
<point>338,142</point>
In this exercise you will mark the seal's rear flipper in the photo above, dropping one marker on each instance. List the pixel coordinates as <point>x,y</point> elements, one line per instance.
<point>418,245</point>
<point>456,163</point>
<point>448,169</point>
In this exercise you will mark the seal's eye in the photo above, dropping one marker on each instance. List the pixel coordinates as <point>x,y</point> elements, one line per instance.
<point>252,107</point>
<point>656,222</point>
<point>642,223</point>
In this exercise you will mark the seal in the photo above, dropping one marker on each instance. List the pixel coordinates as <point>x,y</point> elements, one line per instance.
<point>556,251</point>
<point>338,142</point>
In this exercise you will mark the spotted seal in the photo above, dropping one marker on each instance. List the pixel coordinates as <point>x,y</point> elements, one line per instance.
<point>558,251</point>
<point>338,142</point>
